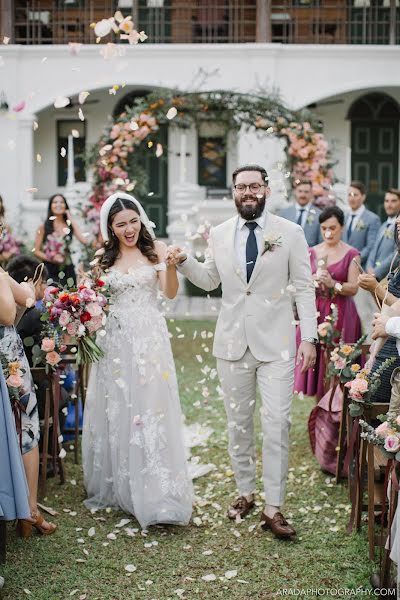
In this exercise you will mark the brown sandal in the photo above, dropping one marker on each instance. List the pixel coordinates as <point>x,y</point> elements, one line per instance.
<point>24,527</point>
<point>38,524</point>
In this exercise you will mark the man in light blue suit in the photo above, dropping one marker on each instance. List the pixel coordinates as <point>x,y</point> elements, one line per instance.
<point>362,225</point>
<point>304,213</point>
<point>381,255</point>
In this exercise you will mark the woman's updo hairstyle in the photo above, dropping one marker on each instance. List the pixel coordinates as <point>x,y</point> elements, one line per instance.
<point>332,211</point>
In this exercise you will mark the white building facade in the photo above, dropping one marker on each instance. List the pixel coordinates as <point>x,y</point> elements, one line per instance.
<point>353,88</point>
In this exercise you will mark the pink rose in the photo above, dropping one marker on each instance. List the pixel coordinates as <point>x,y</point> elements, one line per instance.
<point>94,324</point>
<point>340,363</point>
<point>53,358</point>
<point>94,309</point>
<point>359,385</point>
<point>382,429</point>
<point>48,344</point>
<point>72,328</point>
<point>64,320</point>
<point>87,294</point>
<point>392,443</point>
<point>14,381</point>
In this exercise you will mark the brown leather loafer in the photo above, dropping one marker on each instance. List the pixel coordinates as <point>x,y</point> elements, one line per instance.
<point>278,525</point>
<point>240,507</point>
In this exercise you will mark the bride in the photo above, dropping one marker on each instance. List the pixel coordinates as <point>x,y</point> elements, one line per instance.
<point>132,443</point>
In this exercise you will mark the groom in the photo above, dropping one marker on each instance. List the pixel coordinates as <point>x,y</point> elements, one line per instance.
<point>262,261</point>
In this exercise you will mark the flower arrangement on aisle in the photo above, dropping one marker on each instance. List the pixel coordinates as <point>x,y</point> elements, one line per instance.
<point>364,386</point>
<point>125,145</point>
<point>327,332</point>
<point>386,435</point>
<point>79,313</point>
<point>342,363</point>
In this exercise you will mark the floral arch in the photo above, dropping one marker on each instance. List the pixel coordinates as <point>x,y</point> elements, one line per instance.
<point>134,133</point>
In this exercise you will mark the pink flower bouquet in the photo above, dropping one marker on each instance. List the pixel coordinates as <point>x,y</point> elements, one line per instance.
<point>54,249</point>
<point>80,313</point>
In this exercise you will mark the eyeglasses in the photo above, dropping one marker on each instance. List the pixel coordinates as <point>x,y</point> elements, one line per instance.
<point>253,187</point>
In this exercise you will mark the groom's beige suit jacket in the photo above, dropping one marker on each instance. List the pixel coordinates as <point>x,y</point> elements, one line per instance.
<point>259,314</point>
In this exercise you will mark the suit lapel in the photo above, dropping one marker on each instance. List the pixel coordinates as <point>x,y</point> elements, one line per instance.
<point>232,246</point>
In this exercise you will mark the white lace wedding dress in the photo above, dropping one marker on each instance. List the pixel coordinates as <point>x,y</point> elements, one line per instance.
<point>132,443</point>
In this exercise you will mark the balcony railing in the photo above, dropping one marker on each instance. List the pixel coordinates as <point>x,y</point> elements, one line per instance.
<point>208,21</point>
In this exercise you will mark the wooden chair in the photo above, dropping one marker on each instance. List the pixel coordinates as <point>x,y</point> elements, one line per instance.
<point>50,421</point>
<point>69,357</point>
<point>370,414</point>
<point>346,425</point>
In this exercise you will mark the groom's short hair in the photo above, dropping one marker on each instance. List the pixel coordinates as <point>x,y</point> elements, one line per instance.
<point>256,168</point>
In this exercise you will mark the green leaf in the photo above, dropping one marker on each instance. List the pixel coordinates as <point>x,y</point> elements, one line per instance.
<point>61,274</point>
<point>29,341</point>
<point>45,317</point>
<point>355,410</point>
<point>70,282</point>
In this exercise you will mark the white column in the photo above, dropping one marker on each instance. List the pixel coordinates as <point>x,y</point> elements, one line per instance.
<point>348,166</point>
<point>71,162</point>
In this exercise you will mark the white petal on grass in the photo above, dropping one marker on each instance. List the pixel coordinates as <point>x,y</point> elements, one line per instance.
<point>231,574</point>
<point>209,577</point>
<point>62,453</point>
<point>111,536</point>
<point>91,532</point>
<point>130,568</point>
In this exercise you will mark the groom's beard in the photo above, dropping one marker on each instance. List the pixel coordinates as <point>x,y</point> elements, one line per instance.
<point>252,211</point>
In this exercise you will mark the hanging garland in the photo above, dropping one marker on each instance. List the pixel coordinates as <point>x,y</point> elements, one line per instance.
<point>125,142</point>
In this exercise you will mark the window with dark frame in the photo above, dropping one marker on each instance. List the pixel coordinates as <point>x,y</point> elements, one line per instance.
<point>64,129</point>
<point>212,161</point>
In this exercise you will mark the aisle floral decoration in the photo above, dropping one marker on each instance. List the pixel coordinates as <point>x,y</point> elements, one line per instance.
<point>386,436</point>
<point>119,157</point>
<point>363,387</point>
<point>79,313</point>
<point>342,364</point>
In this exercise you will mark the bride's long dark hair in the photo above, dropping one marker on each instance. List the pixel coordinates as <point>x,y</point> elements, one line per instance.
<point>145,242</point>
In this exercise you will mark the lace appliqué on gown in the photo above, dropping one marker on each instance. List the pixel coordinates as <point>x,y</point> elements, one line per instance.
<point>133,451</point>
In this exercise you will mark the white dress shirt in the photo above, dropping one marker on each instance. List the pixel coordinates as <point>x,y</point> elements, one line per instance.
<point>241,235</point>
<point>393,328</point>
<point>304,216</point>
<point>358,214</point>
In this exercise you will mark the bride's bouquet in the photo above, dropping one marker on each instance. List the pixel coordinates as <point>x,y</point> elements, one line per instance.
<point>80,313</point>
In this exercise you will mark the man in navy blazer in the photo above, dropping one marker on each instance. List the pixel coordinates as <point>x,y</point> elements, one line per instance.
<point>381,255</point>
<point>362,225</point>
<point>304,213</point>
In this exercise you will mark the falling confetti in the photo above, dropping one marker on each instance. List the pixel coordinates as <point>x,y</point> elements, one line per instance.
<point>61,102</point>
<point>171,114</point>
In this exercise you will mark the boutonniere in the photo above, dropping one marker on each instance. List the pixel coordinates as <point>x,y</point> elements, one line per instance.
<point>389,233</point>
<point>360,225</point>
<point>271,241</point>
<point>310,219</point>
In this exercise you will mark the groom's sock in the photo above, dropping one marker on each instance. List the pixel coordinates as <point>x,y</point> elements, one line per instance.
<point>270,510</point>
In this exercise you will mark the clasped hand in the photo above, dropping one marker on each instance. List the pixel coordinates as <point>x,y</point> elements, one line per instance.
<point>324,277</point>
<point>379,326</point>
<point>174,256</point>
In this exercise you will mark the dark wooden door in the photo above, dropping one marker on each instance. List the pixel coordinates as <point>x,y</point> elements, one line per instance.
<point>155,202</point>
<point>375,158</point>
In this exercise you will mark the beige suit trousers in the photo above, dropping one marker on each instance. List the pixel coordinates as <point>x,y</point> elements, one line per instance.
<point>275,379</point>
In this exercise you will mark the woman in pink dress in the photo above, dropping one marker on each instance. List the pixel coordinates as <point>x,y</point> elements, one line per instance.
<point>335,275</point>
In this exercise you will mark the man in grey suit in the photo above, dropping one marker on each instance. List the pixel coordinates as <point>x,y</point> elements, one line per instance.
<point>304,213</point>
<point>362,225</point>
<point>381,255</point>
<point>262,262</point>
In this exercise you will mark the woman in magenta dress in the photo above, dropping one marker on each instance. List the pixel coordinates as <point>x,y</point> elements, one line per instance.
<point>335,274</point>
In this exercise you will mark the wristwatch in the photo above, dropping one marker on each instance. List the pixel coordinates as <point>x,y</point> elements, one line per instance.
<point>311,340</point>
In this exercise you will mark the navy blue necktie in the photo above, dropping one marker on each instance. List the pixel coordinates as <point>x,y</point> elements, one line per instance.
<point>251,249</point>
<point>350,227</point>
<point>300,216</point>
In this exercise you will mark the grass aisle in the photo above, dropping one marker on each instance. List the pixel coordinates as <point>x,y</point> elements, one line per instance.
<point>171,561</point>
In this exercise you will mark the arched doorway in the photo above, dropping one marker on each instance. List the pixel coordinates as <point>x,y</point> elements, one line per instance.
<point>375,145</point>
<point>155,169</point>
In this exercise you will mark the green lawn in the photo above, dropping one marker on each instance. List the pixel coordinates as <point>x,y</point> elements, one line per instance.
<point>71,564</point>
